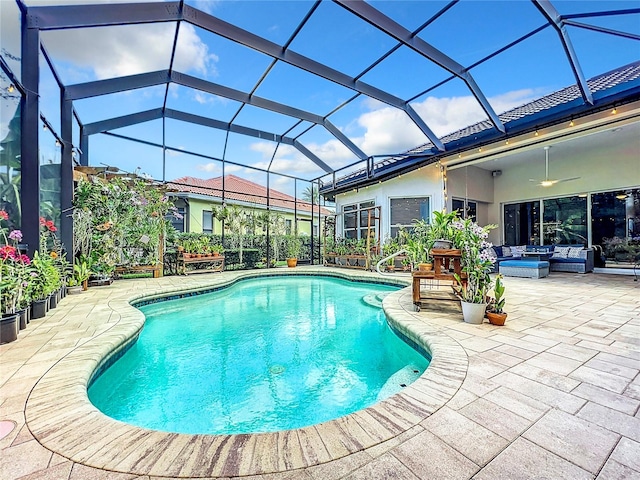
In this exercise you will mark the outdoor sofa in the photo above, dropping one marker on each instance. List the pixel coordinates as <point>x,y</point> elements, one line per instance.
<point>563,258</point>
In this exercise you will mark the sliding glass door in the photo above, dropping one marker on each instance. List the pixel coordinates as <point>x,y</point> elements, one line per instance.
<point>608,221</point>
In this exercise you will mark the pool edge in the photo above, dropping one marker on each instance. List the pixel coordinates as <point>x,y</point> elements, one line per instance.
<point>72,427</point>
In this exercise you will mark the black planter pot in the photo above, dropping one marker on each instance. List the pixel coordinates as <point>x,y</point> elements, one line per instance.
<point>22,315</point>
<point>39,309</point>
<point>53,301</point>
<point>9,327</point>
<point>62,292</point>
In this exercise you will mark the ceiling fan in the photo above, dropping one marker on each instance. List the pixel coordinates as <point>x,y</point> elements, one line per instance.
<point>548,182</point>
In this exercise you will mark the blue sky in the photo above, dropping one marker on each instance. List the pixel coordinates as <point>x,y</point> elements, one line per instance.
<point>467,32</point>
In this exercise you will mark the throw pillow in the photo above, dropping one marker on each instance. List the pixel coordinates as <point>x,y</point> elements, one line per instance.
<point>506,252</point>
<point>560,252</point>
<point>517,251</point>
<point>491,254</point>
<point>574,252</point>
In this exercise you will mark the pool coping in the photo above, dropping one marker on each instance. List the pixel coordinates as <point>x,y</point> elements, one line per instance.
<point>61,417</point>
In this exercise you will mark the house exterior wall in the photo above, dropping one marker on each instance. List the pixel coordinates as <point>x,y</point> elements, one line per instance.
<point>425,182</point>
<point>613,167</point>
<point>197,206</point>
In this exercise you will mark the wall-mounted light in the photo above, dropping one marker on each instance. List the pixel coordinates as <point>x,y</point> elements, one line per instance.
<point>571,124</point>
<point>44,126</point>
<point>622,196</point>
<point>506,142</point>
<point>57,143</point>
<point>11,88</point>
<point>536,134</point>
<point>480,149</point>
<point>614,111</point>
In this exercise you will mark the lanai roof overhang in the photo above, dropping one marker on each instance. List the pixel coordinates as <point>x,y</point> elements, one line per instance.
<point>559,115</point>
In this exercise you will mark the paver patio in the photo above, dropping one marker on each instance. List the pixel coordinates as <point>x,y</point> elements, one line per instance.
<point>555,393</point>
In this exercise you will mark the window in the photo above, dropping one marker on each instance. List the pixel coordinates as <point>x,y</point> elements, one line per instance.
<point>615,225</point>
<point>522,223</point>
<point>287,226</point>
<point>178,223</point>
<point>469,211</point>
<point>565,220</point>
<point>358,219</point>
<point>207,221</point>
<point>405,212</point>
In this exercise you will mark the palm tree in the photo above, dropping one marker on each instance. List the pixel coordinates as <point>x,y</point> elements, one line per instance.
<point>311,192</point>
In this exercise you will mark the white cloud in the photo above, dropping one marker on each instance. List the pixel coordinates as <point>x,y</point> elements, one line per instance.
<point>209,167</point>
<point>126,50</point>
<point>388,130</point>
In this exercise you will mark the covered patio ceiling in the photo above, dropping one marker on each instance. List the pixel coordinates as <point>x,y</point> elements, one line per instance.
<point>308,89</point>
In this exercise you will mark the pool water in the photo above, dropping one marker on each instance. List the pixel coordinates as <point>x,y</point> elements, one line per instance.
<point>262,355</point>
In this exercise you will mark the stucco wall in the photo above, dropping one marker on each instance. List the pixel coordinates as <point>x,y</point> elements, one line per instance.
<point>196,207</point>
<point>425,182</point>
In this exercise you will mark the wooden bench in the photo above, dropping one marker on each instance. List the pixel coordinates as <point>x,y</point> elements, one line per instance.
<point>217,264</point>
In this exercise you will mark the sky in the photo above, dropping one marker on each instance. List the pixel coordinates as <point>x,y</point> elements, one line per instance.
<point>467,32</point>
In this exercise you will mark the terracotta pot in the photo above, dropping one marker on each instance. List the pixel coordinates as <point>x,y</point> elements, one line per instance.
<point>186,255</point>
<point>292,262</point>
<point>497,318</point>
<point>85,285</point>
<point>425,267</point>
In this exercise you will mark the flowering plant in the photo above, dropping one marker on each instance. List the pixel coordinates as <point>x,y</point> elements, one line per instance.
<point>476,262</point>
<point>13,269</point>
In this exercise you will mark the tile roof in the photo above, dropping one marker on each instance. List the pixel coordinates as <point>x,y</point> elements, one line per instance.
<point>536,110</point>
<point>242,190</point>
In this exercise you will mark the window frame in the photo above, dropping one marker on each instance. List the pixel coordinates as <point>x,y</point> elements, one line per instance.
<point>407,227</point>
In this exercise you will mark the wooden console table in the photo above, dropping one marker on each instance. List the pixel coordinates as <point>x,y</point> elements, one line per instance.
<point>442,260</point>
<point>217,264</point>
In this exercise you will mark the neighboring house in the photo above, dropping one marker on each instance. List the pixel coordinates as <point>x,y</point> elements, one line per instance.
<point>194,198</point>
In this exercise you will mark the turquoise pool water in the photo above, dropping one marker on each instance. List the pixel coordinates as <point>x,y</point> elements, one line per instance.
<point>263,355</point>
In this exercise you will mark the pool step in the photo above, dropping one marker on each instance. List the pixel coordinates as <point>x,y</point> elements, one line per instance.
<point>375,299</point>
<point>398,381</point>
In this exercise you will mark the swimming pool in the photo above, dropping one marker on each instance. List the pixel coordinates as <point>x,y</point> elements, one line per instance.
<point>261,355</point>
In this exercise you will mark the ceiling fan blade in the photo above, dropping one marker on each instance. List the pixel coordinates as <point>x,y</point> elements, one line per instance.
<point>567,179</point>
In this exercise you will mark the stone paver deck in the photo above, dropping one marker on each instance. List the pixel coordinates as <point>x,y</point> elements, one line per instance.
<point>555,393</point>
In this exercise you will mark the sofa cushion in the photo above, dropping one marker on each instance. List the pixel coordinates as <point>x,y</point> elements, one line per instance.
<point>525,263</point>
<point>498,250</point>
<point>568,260</point>
<point>560,252</point>
<point>517,251</point>
<point>575,252</point>
<point>506,252</point>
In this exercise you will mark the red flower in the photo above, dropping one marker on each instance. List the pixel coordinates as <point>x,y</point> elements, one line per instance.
<point>43,221</point>
<point>4,215</point>
<point>7,252</point>
<point>25,259</point>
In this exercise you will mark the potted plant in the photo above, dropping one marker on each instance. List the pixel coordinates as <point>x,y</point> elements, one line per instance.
<point>73,287</point>
<point>495,312</point>
<point>442,230</point>
<point>477,265</point>
<point>294,247</point>
<point>82,272</point>
<point>40,284</point>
